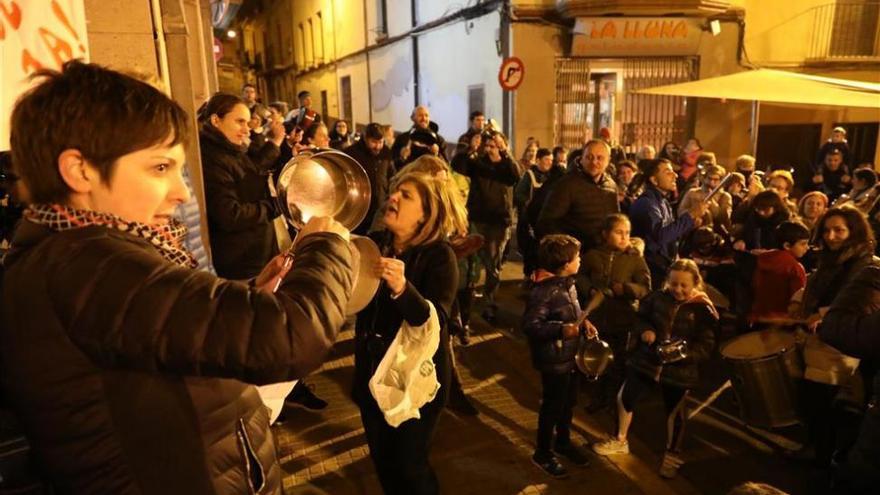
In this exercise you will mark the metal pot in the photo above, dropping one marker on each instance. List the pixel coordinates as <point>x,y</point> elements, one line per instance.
<point>672,350</point>
<point>328,183</point>
<point>323,183</point>
<point>593,357</point>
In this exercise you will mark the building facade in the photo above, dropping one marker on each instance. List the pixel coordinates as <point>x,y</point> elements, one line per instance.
<point>584,61</point>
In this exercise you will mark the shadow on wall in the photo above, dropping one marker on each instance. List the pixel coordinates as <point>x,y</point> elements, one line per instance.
<point>393,84</point>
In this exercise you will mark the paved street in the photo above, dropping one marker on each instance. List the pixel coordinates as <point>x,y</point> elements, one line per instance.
<point>326,452</point>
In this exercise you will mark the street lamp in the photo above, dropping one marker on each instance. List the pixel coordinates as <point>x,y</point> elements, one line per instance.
<point>231,34</point>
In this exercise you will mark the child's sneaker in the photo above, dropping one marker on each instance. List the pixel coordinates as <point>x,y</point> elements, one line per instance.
<point>612,446</point>
<point>671,464</point>
<point>549,464</point>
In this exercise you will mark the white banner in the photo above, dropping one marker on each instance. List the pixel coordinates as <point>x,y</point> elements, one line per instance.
<point>36,34</point>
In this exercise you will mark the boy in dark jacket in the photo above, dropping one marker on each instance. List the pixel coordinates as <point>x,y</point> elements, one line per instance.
<point>778,274</point>
<point>551,322</point>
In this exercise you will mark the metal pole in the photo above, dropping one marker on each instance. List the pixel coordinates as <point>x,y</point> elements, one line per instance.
<point>753,132</point>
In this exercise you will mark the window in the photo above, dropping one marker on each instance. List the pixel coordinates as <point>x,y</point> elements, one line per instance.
<point>302,44</point>
<point>319,40</point>
<point>381,20</point>
<point>855,29</point>
<point>477,98</point>
<point>345,88</point>
<point>312,39</point>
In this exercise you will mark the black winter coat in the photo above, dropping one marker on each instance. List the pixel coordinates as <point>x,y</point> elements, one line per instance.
<point>694,322</point>
<point>240,210</point>
<point>431,271</point>
<point>552,303</point>
<point>834,271</point>
<point>490,200</point>
<point>130,374</point>
<point>380,170</point>
<point>852,325</point>
<point>576,205</point>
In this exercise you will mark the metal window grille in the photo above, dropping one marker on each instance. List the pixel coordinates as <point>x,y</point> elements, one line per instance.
<point>646,119</point>
<point>655,119</point>
<point>573,102</point>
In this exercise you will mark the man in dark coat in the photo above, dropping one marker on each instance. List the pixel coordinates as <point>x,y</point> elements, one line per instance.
<point>422,138</point>
<point>372,154</point>
<point>580,200</point>
<point>490,209</point>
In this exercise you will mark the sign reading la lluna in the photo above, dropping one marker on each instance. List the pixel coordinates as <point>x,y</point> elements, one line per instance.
<point>604,36</point>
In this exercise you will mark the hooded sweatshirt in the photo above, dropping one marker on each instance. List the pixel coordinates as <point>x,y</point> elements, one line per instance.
<point>778,275</point>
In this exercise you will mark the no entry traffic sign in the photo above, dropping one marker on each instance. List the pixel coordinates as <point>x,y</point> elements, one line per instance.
<point>511,74</point>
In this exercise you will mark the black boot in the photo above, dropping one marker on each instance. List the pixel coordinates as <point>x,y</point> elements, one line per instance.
<point>303,395</point>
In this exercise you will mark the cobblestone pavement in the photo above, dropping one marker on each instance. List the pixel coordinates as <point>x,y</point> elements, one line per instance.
<point>325,452</point>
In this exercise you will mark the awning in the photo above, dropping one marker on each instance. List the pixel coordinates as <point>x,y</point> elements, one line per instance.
<point>778,86</point>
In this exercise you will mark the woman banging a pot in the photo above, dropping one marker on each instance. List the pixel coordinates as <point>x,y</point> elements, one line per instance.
<point>408,317</point>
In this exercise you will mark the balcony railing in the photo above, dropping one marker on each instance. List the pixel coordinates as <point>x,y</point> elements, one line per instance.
<point>846,31</point>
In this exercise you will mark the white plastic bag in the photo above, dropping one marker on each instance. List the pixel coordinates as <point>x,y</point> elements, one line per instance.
<point>406,379</point>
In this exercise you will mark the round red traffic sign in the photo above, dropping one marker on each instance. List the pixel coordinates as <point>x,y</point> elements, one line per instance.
<point>511,74</point>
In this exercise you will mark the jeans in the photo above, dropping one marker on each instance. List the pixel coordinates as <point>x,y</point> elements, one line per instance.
<point>492,256</point>
<point>558,398</point>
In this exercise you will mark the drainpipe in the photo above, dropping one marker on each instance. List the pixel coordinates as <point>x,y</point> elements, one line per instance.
<point>507,101</point>
<point>415,44</point>
<point>367,58</point>
<point>161,49</point>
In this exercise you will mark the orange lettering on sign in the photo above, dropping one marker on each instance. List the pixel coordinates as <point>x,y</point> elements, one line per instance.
<point>609,30</point>
<point>12,14</point>
<point>666,30</point>
<point>59,13</point>
<point>29,63</point>
<point>61,50</point>
<point>681,30</point>
<point>652,30</point>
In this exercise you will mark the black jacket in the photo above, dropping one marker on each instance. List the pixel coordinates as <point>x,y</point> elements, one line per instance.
<point>852,324</point>
<point>694,322</point>
<point>552,303</point>
<point>432,275</point>
<point>490,200</point>
<point>576,205</point>
<point>834,271</point>
<point>380,170</point>
<point>240,210</point>
<point>130,374</point>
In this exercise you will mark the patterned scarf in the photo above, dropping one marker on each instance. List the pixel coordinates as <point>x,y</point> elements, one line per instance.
<point>167,238</point>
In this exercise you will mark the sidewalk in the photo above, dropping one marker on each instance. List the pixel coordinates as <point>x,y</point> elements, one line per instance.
<point>490,454</point>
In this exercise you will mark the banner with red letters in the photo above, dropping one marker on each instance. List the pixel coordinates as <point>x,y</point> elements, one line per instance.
<point>34,35</point>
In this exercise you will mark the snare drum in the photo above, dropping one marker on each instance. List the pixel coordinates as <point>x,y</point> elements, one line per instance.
<point>764,368</point>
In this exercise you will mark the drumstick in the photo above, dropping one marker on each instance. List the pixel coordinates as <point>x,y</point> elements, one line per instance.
<point>710,399</point>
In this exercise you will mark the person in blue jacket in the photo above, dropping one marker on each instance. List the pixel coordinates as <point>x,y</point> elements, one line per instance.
<point>653,219</point>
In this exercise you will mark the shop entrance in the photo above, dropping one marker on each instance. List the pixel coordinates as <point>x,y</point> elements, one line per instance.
<point>596,93</point>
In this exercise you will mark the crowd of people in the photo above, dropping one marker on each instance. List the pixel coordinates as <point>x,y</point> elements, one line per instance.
<point>645,252</point>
